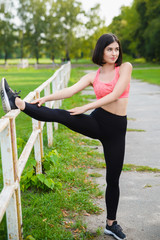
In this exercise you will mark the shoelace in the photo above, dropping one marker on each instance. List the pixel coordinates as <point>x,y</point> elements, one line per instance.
<point>15,92</point>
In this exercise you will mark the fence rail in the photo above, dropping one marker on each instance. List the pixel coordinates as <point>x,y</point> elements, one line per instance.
<point>12,167</point>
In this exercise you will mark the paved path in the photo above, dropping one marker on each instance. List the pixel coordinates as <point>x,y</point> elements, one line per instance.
<point>139,207</point>
<point>143,148</point>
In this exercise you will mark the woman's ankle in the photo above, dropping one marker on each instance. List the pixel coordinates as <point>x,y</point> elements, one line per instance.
<point>20,103</point>
<point>110,222</point>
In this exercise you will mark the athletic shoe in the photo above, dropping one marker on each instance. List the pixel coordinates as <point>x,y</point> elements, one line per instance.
<point>8,96</point>
<point>115,230</point>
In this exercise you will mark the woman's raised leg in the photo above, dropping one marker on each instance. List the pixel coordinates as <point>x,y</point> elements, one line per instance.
<point>82,123</point>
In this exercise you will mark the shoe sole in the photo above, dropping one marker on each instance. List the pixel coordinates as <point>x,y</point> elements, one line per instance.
<point>107,232</point>
<point>4,97</point>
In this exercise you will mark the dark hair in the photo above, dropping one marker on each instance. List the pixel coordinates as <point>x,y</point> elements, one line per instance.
<point>103,42</point>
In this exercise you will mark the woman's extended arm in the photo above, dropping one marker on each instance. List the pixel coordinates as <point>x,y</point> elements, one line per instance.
<point>123,81</point>
<point>67,92</point>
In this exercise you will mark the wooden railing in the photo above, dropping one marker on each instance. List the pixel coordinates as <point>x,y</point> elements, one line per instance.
<point>12,167</point>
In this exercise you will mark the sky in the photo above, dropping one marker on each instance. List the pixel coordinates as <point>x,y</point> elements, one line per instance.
<point>108,8</point>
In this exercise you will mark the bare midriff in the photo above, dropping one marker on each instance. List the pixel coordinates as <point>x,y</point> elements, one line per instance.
<point>118,107</point>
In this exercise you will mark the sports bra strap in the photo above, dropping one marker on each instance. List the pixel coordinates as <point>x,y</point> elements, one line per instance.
<point>98,71</point>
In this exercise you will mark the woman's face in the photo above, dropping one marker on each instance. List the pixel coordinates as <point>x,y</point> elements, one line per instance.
<point>111,53</point>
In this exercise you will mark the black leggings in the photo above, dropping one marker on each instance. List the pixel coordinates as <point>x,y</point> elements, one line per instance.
<point>109,128</point>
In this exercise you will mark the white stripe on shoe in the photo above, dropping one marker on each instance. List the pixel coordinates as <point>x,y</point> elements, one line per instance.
<point>108,232</point>
<point>4,97</point>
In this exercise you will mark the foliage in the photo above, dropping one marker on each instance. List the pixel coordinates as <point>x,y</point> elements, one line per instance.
<point>7,35</point>
<point>63,29</point>
<point>32,15</point>
<point>138,28</point>
<point>49,160</point>
<point>29,237</point>
<point>41,181</point>
<point>152,45</point>
<point>48,28</point>
<point>3,229</point>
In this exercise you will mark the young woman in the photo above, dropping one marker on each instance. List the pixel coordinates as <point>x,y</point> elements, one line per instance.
<point>107,122</point>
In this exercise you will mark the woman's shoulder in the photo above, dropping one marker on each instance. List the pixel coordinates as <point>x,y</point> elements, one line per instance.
<point>125,65</point>
<point>92,75</point>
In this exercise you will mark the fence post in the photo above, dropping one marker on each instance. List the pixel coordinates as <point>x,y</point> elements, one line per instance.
<point>13,212</point>
<point>54,88</point>
<point>15,165</point>
<point>68,71</point>
<point>65,75</point>
<point>49,124</point>
<point>38,145</point>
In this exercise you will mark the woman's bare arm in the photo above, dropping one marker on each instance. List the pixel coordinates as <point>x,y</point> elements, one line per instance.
<point>69,91</point>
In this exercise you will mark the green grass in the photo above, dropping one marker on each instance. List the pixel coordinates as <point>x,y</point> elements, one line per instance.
<point>95,175</point>
<point>81,61</point>
<point>132,167</point>
<point>137,65</point>
<point>30,60</point>
<point>135,130</point>
<point>148,75</point>
<point>16,61</point>
<point>25,80</point>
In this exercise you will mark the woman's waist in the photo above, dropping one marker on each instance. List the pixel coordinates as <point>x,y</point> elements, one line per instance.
<point>118,107</point>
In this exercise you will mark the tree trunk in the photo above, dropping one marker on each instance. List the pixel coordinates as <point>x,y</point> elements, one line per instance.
<point>5,57</point>
<point>21,49</point>
<point>37,56</point>
<point>67,56</point>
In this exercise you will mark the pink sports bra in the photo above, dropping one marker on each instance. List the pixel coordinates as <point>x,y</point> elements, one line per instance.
<point>102,89</point>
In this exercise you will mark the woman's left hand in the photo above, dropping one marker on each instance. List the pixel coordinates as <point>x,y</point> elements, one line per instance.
<point>77,110</point>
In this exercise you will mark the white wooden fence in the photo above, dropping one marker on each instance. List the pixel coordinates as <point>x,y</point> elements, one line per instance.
<point>23,63</point>
<point>10,196</point>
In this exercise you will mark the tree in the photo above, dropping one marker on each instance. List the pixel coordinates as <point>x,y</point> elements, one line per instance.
<point>7,35</point>
<point>67,31</point>
<point>152,31</point>
<point>68,12</point>
<point>32,16</point>
<point>53,29</point>
<point>94,28</point>
<point>125,27</point>
<point>152,43</point>
<point>22,13</point>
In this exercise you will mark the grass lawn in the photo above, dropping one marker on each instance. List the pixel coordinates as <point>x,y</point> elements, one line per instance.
<point>16,61</point>
<point>148,75</point>
<point>25,80</point>
<point>44,61</point>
